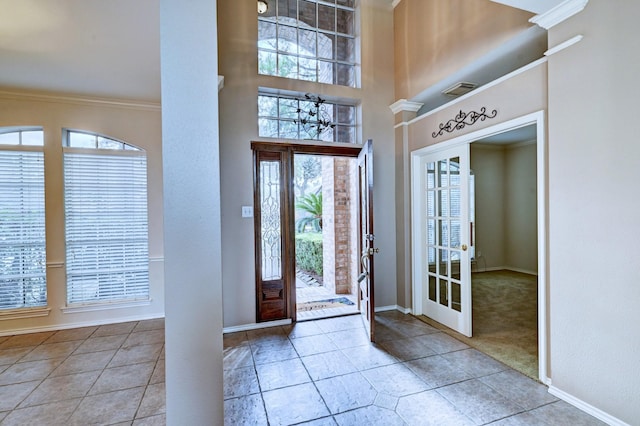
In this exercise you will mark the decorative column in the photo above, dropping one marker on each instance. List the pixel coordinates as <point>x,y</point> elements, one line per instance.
<point>404,111</point>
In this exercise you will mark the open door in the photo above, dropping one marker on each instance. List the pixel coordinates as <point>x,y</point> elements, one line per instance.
<point>443,247</point>
<point>367,238</point>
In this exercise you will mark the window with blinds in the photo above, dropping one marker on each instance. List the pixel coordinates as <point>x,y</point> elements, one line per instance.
<point>22,221</point>
<point>106,220</point>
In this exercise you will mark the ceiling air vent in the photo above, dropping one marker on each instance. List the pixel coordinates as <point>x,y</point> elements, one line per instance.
<point>459,89</point>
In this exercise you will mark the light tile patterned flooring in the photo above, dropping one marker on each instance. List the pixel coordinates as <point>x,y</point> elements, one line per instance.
<point>324,372</point>
<point>110,374</point>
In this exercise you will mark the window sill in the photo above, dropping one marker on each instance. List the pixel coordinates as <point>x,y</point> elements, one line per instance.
<point>73,309</point>
<point>24,313</point>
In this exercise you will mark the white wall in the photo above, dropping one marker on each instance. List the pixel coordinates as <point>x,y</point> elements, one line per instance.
<point>593,208</point>
<point>134,123</point>
<point>238,127</point>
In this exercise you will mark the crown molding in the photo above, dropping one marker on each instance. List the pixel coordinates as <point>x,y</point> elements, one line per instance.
<point>558,14</point>
<point>405,105</point>
<point>77,100</point>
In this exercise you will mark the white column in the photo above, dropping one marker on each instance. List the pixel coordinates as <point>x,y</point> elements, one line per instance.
<point>191,188</point>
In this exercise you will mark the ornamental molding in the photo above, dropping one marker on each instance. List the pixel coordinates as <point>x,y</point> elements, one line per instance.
<point>405,105</point>
<point>462,120</point>
<point>560,47</point>
<point>558,14</point>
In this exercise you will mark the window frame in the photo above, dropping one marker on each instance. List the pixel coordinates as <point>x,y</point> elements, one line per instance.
<point>41,308</point>
<point>352,127</point>
<point>283,24</point>
<point>73,304</point>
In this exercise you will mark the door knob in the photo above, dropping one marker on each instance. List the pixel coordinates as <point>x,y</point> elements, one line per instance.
<point>464,247</point>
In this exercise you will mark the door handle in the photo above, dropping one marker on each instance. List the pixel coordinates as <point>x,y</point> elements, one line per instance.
<point>464,247</point>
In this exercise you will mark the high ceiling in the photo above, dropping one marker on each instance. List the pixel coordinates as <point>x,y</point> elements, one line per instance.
<point>104,48</point>
<point>100,48</point>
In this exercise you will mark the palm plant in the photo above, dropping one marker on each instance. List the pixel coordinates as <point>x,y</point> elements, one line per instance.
<point>311,204</point>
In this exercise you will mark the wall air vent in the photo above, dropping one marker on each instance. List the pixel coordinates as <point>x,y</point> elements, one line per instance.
<point>459,89</point>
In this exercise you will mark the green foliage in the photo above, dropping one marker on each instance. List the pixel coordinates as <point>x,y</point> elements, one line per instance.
<point>309,252</point>
<point>312,205</point>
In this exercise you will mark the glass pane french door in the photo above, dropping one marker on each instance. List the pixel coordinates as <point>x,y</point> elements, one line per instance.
<point>445,275</point>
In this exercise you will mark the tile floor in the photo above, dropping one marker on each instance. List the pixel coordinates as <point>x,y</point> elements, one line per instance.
<point>112,374</point>
<point>325,372</point>
<point>320,372</point>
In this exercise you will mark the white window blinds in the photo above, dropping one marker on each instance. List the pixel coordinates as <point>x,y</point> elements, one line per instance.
<point>106,225</point>
<point>22,233</point>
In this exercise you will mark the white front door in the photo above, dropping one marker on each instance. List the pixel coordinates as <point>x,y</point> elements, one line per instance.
<point>441,215</point>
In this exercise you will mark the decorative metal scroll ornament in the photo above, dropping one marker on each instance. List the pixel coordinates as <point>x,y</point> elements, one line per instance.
<point>463,119</point>
<point>316,120</point>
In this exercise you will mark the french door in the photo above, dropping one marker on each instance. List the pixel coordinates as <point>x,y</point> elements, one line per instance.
<point>275,228</point>
<point>443,242</point>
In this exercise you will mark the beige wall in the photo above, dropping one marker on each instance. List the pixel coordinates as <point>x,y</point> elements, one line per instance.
<point>593,208</point>
<point>238,127</point>
<point>137,125</point>
<point>506,206</point>
<point>435,38</point>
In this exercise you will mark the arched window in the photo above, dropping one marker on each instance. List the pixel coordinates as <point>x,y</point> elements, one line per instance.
<point>309,40</point>
<point>22,220</point>
<point>106,223</point>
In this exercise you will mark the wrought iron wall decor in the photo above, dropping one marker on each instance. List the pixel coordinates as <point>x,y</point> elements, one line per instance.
<point>463,119</point>
<point>316,119</point>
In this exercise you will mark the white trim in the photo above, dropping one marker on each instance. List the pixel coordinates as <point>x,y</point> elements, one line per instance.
<point>587,408</point>
<point>156,259</point>
<point>55,264</point>
<point>505,268</point>
<point>559,47</point>
<point>395,3</point>
<point>558,14</point>
<point>148,106</point>
<point>220,82</point>
<point>387,308</point>
<point>539,119</point>
<point>104,306</point>
<point>405,105</point>
<point>24,313</point>
<point>481,89</point>
<point>256,326</point>
<point>80,324</point>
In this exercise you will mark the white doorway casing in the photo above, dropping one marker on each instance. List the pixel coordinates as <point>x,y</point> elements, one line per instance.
<point>417,222</point>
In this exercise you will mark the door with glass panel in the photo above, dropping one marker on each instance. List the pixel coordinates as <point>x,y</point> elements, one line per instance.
<point>272,229</point>
<point>446,238</point>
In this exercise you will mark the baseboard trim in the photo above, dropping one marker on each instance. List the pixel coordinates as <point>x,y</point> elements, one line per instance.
<point>255,326</point>
<point>587,408</point>
<point>57,327</point>
<point>505,268</point>
<point>393,308</point>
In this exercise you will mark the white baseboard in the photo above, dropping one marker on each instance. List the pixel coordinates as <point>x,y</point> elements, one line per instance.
<point>393,308</point>
<point>505,268</point>
<point>66,326</point>
<point>255,326</point>
<point>587,408</point>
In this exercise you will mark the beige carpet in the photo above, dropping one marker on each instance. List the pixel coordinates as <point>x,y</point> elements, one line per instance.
<point>505,319</point>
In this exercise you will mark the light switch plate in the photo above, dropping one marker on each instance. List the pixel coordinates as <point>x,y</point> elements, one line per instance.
<point>247,211</point>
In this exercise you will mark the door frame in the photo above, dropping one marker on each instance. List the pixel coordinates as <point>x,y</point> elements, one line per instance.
<point>288,151</point>
<point>539,119</point>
